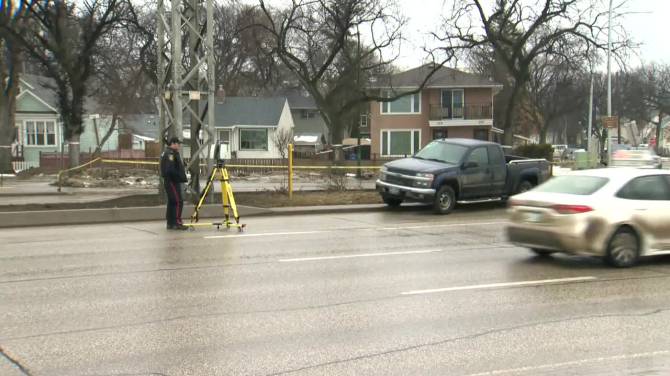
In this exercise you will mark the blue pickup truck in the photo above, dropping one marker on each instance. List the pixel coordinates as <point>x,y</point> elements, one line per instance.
<point>448,171</point>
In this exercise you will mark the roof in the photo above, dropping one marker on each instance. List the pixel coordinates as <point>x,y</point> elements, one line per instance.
<point>443,77</point>
<point>45,88</point>
<point>298,99</point>
<point>142,125</point>
<point>249,111</point>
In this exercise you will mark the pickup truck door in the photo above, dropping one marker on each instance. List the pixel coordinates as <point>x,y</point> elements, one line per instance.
<point>498,169</point>
<point>476,175</point>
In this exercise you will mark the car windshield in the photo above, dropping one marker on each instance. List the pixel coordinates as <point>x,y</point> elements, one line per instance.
<point>443,152</point>
<point>574,185</point>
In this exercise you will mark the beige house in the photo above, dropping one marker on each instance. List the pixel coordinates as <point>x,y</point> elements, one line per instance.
<point>453,104</point>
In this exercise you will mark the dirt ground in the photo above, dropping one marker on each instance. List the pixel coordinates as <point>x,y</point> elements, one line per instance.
<point>266,199</point>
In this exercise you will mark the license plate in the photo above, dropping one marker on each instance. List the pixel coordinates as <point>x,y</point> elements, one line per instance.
<point>394,191</point>
<point>533,217</point>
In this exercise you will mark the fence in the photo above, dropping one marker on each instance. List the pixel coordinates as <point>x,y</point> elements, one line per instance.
<point>19,166</point>
<point>51,162</point>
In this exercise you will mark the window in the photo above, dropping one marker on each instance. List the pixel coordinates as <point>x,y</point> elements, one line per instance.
<point>40,133</point>
<point>443,151</point>
<point>223,135</point>
<point>650,188</point>
<point>453,101</point>
<point>400,143</point>
<point>253,139</point>
<point>573,185</point>
<point>480,156</point>
<point>481,134</point>
<point>496,156</point>
<point>307,114</point>
<point>408,104</point>
<point>363,122</point>
<point>440,133</point>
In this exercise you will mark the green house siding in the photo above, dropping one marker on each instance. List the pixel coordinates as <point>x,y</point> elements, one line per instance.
<point>29,104</point>
<point>88,140</point>
<point>32,153</point>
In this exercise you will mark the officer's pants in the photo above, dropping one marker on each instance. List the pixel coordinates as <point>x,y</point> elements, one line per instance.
<point>175,203</point>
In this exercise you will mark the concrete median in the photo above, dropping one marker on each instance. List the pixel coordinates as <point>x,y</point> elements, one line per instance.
<point>156,213</point>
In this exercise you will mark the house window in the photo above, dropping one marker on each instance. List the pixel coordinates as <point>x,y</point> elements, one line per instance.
<point>408,104</point>
<point>254,139</point>
<point>453,103</point>
<point>40,133</point>
<point>223,135</point>
<point>481,134</point>
<point>440,133</point>
<point>400,143</point>
<point>363,122</point>
<point>307,114</point>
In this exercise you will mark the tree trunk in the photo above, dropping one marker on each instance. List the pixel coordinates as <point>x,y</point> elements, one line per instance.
<point>73,150</point>
<point>543,134</point>
<point>9,74</point>
<point>508,126</point>
<point>105,138</point>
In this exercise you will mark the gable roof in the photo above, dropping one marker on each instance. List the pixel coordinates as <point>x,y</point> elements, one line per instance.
<point>44,88</point>
<point>297,98</point>
<point>249,111</point>
<point>443,77</point>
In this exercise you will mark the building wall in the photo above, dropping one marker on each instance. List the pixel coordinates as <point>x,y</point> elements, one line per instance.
<point>315,125</point>
<point>31,153</point>
<point>379,122</point>
<point>88,141</point>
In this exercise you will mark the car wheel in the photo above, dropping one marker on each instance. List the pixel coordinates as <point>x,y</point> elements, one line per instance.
<point>392,202</point>
<point>445,200</point>
<point>524,186</point>
<point>623,249</point>
<point>542,252</point>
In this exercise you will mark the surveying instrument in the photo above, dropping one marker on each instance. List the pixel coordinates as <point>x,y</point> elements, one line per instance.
<point>220,173</point>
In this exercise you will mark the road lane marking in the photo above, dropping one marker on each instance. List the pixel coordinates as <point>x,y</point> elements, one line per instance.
<point>498,285</point>
<point>401,227</point>
<point>379,254</point>
<point>266,234</point>
<point>580,362</point>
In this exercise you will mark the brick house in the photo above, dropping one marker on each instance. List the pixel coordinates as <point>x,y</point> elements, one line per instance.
<point>453,104</point>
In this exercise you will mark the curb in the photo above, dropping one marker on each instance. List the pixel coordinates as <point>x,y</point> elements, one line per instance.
<point>156,213</point>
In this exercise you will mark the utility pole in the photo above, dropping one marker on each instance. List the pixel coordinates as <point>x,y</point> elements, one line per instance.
<point>186,81</point>
<point>609,80</point>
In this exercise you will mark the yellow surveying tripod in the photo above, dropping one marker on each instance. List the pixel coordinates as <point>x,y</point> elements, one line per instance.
<point>219,173</point>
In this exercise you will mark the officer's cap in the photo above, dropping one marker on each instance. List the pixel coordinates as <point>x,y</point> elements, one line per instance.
<point>174,140</point>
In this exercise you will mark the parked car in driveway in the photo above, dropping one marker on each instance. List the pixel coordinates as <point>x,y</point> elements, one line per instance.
<point>636,158</point>
<point>463,170</point>
<point>620,214</point>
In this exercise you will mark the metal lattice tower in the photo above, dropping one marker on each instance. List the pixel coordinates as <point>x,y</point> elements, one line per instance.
<point>186,75</point>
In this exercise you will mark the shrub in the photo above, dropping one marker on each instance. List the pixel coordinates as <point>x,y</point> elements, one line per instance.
<point>545,151</point>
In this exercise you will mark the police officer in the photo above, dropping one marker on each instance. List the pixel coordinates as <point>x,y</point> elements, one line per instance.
<point>173,173</point>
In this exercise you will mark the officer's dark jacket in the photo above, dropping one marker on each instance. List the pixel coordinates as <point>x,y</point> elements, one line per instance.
<point>172,167</point>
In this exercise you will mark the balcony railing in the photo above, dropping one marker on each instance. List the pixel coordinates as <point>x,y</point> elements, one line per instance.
<point>467,112</point>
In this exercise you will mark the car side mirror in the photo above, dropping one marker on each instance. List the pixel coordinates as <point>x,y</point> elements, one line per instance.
<point>469,165</point>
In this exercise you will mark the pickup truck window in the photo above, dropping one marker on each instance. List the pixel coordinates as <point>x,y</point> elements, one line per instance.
<point>443,152</point>
<point>480,156</point>
<point>496,156</point>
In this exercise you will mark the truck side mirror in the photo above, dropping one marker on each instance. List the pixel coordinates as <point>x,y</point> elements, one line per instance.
<point>470,164</point>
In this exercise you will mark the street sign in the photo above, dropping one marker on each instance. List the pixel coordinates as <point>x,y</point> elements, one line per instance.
<point>610,121</point>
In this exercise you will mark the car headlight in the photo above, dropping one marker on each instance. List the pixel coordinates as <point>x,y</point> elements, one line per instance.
<point>424,180</point>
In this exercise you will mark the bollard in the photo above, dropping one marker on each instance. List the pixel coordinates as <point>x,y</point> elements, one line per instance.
<point>290,171</point>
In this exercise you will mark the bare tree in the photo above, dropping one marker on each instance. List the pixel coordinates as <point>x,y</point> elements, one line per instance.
<point>63,38</point>
<point>334,47</point>
<point>519,32</point>
<point>281,138</point>
<point>657,95</point>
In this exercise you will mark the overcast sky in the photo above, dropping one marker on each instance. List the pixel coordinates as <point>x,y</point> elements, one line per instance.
<point>651,28</point>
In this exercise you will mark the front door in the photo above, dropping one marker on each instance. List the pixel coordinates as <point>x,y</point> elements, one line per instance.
<point>476,178</point>
<point>648,198</point>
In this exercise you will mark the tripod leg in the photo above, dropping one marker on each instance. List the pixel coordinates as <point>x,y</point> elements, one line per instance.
<point>203,195</point>
<point>231,198</point>
<point>224,195</point>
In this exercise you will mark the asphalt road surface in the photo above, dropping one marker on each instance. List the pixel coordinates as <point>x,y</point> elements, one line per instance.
<point>394,293</point>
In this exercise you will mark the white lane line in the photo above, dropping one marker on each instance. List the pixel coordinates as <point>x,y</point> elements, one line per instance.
<point>379,254</point>
<point>580,362</point>
<point>444,225</point>
<point>355,229</point>
<point>266,234</point>
<point>498,285</point>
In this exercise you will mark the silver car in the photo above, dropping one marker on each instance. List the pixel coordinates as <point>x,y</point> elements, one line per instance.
<point>619,214</point>
<point>636,158</point>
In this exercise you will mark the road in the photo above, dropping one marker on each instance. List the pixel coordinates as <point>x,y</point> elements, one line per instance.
<point>393,293</point>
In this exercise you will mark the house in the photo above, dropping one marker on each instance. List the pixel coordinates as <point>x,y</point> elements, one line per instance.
<point>250,125</point>
<point>451,104</point>
<point>39,127</point>
<point>306,116</point>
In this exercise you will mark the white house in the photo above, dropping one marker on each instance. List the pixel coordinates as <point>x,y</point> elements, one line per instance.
<point>249,125</point>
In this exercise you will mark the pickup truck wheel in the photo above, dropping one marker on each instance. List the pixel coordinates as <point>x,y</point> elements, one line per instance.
<point>542,252</point>
<point>445,200</point>
<point>524,186</point>
<point>392,202</point>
